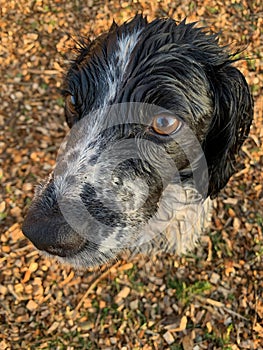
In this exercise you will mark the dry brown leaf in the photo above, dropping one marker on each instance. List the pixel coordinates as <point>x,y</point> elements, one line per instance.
<point>31,305</point>
<point>125,291</point>
<point>35,41</point>
<point>168,337</point>
<point>187,342</point>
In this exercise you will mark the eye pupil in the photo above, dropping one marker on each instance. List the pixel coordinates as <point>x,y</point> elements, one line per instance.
<point>163,122</point>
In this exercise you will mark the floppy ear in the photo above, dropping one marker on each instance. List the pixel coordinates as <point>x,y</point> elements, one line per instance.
<point>233,114</point>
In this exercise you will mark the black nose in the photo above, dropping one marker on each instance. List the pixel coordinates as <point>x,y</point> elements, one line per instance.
<point>51,233</point>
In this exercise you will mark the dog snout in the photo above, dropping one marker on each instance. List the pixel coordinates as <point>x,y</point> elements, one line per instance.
<point>51,234</point>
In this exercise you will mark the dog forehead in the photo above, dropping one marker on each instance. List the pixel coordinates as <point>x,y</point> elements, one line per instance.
<point>140,61</point>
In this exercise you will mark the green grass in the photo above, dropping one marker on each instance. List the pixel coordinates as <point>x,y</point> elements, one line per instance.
<point>186,293</point>
<point>3,216</point>
<point>134,279</point>
<point>44,86</point>
<point>254,88</point>
<point>222,341</point>
<point>219,245</point>
<point>61,343</point>
<point>176,347</point>
<point>60,102</point>
<point>192,6</point>
<point>259,219</point>
<point>251,64</point>
<point>212,10</point>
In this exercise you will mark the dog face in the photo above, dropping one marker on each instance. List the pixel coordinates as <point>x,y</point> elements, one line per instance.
<point>157,115</point>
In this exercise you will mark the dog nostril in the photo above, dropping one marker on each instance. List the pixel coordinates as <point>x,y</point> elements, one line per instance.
<point>50,238</point>
<point>58,250</point>
<point>55,250</point>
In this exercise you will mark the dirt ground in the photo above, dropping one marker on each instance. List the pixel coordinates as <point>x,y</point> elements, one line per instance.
<point>209,299</point>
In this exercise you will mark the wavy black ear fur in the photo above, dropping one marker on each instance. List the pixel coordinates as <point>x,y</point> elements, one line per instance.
<point>233,114</point>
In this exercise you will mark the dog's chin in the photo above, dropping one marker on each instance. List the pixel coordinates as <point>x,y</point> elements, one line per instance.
<point>82,258</point>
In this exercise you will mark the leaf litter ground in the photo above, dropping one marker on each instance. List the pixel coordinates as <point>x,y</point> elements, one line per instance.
<point>210,299</point>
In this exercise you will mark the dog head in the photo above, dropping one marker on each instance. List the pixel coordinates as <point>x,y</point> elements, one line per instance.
<point>157,114</point>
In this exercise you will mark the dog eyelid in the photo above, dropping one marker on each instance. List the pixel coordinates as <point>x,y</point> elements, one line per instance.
<point>165,124</point>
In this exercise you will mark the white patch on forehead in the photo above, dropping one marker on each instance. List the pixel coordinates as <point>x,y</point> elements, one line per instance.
<point>119,63</point>
<point>76,158</point>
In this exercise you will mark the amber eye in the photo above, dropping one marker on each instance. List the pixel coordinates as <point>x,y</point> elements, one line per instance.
<point>71,102</point>
<point>164,124</point>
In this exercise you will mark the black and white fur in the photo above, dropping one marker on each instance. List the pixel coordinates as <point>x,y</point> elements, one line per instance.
<point>117,184</point>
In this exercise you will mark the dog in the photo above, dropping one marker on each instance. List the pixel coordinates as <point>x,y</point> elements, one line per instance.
<point>158,114</point>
